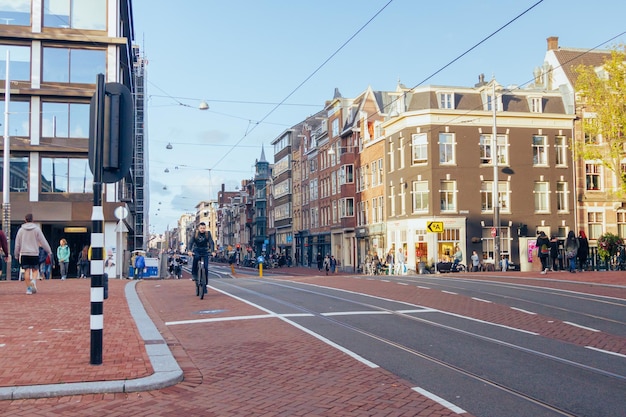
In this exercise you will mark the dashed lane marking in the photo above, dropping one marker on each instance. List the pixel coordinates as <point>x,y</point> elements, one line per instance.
<point>439,400</point>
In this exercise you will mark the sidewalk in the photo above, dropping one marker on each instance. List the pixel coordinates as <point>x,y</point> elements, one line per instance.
<point>45,337</point>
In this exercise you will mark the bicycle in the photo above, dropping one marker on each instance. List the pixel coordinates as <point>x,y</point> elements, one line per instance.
<point>201,282</point>
<point>458,268</point>
<point>178,271</point>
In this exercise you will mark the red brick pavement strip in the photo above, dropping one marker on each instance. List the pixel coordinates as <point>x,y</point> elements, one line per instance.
<point>261,367</point>
<point>52,328</point>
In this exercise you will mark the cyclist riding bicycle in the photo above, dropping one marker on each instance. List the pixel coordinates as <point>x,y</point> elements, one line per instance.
<point>201,245</point>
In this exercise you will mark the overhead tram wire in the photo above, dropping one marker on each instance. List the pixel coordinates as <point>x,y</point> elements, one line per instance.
<point>393,101</point>
<point>519,86</point>
<point>304,82</point>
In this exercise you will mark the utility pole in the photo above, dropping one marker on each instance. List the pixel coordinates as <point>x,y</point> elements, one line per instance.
<point>495,231</point>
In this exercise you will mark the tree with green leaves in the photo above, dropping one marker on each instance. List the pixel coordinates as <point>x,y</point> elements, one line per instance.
<point>602,93</point>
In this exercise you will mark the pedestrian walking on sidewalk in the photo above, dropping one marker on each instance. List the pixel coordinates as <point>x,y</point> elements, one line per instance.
<point>333,264</point>
<point>543,251</point>
<point>83,262</point>
<point>571,250</point>
<point>326,264</point>
<point>4,245</point>
<point>63,256</point>
<point>583,250</point>
<point>320,261</point>
<point>28,240</point>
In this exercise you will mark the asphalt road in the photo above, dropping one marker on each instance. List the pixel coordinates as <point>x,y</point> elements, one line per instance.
<point>544,356</point>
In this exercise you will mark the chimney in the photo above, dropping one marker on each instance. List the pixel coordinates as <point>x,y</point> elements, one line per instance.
<point>553,43</point>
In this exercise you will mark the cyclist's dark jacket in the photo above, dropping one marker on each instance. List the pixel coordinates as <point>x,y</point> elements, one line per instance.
<point>202,244</point>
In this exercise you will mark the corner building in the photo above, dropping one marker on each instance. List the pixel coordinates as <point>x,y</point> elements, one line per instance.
<point>56,49</point>
<point>438,167</point>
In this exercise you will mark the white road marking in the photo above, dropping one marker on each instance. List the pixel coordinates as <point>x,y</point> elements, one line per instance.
<point>523,311</point>
<point>480,299</point>
<point>439,400</point>
<point>606,351</point>
<point>304,329</point>
<point>582,327</point>
<point>356,313</point>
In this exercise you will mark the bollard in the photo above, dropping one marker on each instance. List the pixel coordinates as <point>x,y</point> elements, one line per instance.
<point>261,270</point>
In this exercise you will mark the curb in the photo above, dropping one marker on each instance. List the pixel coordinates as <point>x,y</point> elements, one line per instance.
<point>166,369</point>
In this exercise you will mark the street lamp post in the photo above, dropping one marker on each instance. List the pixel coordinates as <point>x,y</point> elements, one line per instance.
<point>6,171</point>
<point>495,200</point>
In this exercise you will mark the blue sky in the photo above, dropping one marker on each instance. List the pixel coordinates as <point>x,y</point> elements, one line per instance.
<point>244,57</point>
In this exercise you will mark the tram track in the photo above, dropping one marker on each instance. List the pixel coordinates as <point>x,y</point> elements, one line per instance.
<point>616,302</point>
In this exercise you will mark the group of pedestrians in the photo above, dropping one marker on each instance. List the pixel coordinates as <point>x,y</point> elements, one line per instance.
<point>572,255</point>
<point>327,263</point>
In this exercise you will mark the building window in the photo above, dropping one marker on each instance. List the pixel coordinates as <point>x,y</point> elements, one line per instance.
<point>379,172</point>
<point>486,196</point>
<point>361,214</point>
<point>447,196</point>
<point>594,221</point>
<point>561,197</point>
<point>488,242</point>
<point>446,148</point>
<point>540,150</point>
<point>65,120</point>
<point>392,200</point>
<point>75,14</point>
<point>502,149</point>
<point>375,218</point>
<point>535,104</point>
<point>420,196</point>
<point>19,60</point>
<point>560,150</point>
<point>346,207</point>
<point>18,177</point>
<point>15,12</point>
<point>621,224</point>
<point>66,175</point>
<point>73,65</point>
<point>420,148</point>
<point>542,192</point>
<point>19,117</point>
<point>346,174</point>
<point>485,149</point>
<point>335,127</point>
<point>590,129</point>
<point>592,177</point>
<point>446,100</point>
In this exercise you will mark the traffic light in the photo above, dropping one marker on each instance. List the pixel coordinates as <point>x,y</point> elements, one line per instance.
<point>117,118</point>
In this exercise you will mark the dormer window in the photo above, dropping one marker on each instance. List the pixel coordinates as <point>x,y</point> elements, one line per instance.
<point>446,100</point>
<point>489,99</point>
<point>535,104</point>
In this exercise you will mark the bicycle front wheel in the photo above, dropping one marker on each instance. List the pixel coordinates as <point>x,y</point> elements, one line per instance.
<point>202,282</point>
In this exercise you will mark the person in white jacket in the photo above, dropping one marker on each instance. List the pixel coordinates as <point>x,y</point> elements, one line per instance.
<point>28,240</point>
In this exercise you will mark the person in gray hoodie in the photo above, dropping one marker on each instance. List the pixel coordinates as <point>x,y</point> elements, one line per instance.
<point>28,240</point>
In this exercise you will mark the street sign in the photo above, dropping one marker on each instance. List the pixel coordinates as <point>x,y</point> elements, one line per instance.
<point>493,232</point>
<point>434,227</point>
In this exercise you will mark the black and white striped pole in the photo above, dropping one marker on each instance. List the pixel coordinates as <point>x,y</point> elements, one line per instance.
<point>96,319</point>
<point>110,156</point>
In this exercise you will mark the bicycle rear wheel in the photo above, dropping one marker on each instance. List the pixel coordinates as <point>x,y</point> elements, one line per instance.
<point>202,282</point>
